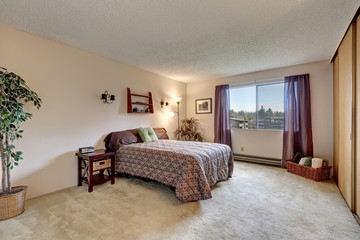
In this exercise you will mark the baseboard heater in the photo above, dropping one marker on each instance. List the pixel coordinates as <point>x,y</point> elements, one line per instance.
<point>256,159</point>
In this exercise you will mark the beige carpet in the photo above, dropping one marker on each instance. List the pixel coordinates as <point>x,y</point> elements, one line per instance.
<point>254,204</point>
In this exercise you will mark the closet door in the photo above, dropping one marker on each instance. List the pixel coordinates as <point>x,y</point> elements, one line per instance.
<point>345,54</point>
<point>357,158</point>
<point>336,118</point>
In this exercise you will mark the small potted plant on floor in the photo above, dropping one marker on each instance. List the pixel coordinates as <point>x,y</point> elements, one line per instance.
<point>188,130</point>
<point>13,94</point>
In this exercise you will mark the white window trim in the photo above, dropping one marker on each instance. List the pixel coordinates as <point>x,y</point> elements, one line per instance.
<point>256,82</point>
<point>257,129</point>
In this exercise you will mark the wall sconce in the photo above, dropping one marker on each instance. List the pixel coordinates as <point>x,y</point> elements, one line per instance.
<point>106,97</point>
<point>163,104</point>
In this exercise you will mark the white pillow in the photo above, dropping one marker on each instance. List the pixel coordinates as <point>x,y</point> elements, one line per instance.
<point>302,161</point>
<point>316,162</point>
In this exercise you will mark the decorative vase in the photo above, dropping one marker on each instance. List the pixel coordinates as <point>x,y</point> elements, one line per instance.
<point>13,204</point>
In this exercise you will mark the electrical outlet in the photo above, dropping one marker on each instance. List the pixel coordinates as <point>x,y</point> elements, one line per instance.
<point>242,149</point>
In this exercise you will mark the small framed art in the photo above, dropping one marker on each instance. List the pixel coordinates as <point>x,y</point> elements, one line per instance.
<point>203,105</point>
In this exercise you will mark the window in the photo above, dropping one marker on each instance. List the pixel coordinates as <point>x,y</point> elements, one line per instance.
<point>257,106</point>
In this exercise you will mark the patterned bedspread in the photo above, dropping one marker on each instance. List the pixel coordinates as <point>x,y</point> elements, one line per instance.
<point>191,167</point>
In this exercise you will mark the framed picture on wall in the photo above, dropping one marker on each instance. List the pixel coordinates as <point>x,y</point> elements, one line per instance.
<point>203,105</point>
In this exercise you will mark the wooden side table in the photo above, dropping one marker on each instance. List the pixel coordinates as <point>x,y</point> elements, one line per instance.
<point>99,160</point>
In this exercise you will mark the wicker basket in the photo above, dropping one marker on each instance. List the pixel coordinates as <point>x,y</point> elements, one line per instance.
<point>13,204</point>
<point>316,174</point>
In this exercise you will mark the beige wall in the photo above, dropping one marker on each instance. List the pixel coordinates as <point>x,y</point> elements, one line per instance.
<point>70,82</point>
<point>257,142</point>
<point>269,143</point>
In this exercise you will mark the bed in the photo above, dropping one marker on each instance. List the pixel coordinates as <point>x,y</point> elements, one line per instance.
<point>191,167</point>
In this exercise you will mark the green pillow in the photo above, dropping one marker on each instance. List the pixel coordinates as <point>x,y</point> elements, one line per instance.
<point>308,162</point>
<point>147,134</point>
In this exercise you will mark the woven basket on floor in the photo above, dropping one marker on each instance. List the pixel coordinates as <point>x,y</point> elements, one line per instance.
<point>316,174</point>
<point>13,204</point>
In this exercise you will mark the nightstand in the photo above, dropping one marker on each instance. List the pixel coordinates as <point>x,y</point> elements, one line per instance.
<point>101,161</point>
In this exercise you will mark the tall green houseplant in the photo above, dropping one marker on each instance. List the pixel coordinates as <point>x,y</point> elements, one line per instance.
<point>188,130</point>
<point>13,94</point>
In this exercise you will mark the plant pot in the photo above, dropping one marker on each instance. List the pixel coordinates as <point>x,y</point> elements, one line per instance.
<point>13,204</point>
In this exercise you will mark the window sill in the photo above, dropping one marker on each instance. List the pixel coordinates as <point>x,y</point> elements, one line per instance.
<point>266,130</point>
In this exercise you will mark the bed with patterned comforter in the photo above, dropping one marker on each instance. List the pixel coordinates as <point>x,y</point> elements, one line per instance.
<point>191,167</point>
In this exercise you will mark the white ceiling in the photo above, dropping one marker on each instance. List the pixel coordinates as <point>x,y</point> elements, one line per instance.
<point>190,40</point>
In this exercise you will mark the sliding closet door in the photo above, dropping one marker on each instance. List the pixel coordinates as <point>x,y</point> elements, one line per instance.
<point>336,117</point>
<point>345,54</point>
<point>357,158</point>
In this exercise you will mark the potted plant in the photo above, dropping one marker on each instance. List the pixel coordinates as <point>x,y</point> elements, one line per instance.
<point>188,130</point>
<point>13,94</point>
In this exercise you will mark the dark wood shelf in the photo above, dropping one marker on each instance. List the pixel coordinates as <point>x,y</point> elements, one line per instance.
<point>142,112</point>
<point>130,102</point>
<point>139,103</point>
<point>139,95</point>
<point>98,179</point>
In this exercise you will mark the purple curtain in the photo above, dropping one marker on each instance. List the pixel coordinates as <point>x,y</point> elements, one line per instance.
<point>297,117</point>
<point>222,128</point>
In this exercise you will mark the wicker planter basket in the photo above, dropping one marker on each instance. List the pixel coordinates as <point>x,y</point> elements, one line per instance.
<point>13,204</point>
<point>316,174</point>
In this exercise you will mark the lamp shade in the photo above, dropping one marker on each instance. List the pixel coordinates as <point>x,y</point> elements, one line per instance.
<point>171,114</point>
<point>178,99</point>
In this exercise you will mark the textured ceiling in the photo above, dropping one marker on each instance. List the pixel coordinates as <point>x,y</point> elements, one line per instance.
<point>189,40</point>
